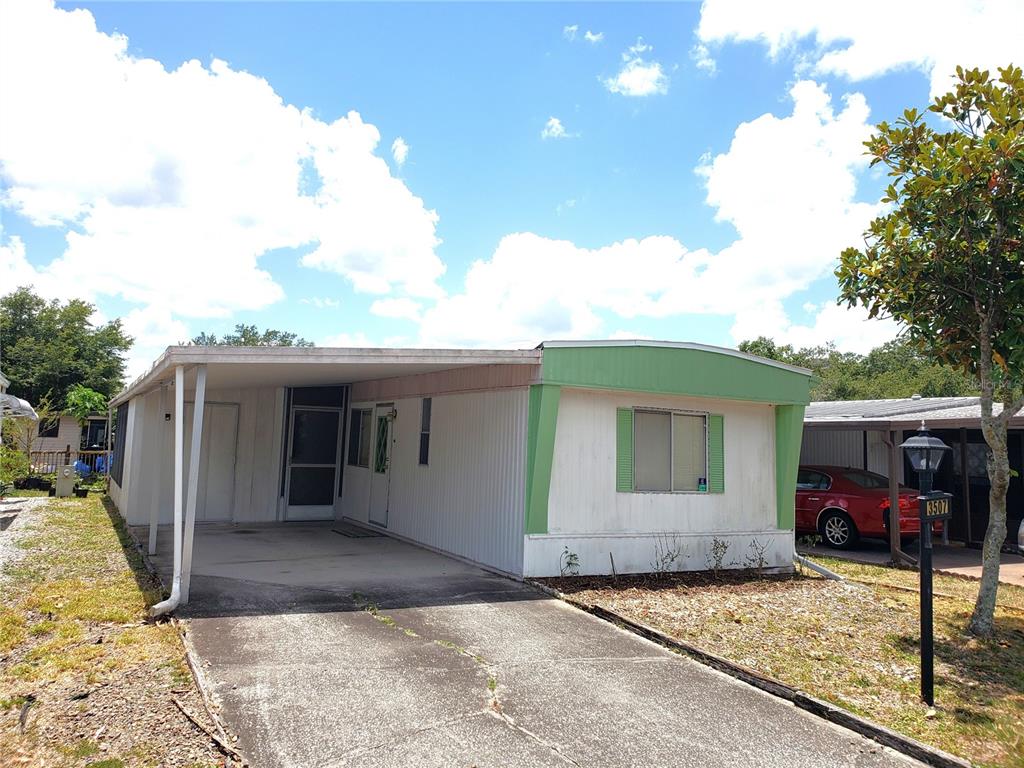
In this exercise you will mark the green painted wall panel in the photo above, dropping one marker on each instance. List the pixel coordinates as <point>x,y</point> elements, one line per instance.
<point>716,453</point>
<point>540,452</point>
<point>674,371</point>
<point>624,449</point>
<point>789,431</point>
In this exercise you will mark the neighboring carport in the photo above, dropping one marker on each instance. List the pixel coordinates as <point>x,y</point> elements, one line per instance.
<point>867,434</point>
<point>330,650</point>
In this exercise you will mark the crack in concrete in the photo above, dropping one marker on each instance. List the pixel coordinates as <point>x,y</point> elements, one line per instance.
<point>554,748</point>
<point>494,707</point>
<point>357,751</point>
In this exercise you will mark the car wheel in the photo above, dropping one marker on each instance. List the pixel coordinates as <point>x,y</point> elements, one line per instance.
<point>837,529</point>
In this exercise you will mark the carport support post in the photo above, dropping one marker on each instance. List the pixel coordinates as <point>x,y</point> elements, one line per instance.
<point>193,480</point>
<point>896,552</point>
<point>154,509</point>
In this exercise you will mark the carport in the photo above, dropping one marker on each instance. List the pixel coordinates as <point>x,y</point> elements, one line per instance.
<point>867,434</point>
<point>256,438</point>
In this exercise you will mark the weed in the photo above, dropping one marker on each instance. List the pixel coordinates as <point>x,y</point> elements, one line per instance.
<point>716,555</point>
<point>569,563</point>
<point>756,558</point>
<point>668,551</point>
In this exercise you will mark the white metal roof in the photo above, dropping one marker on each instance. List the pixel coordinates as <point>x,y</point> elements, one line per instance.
<point>14,407</point>
<point>900,413</point>
<point>229,367</point>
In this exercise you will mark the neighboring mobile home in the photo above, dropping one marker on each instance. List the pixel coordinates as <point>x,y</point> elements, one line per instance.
<point>508,459</point>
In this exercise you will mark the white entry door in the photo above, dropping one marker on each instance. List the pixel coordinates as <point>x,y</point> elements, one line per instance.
<point>215,494</point>
<point>313,455</point>
<point>380,463</point>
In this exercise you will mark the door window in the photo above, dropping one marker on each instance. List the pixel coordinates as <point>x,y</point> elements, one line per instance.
<point>380,456</point>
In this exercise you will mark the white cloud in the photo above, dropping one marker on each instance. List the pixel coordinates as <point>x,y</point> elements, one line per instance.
<point>399,151</point>
<point>321,303</point>
<point>400,308</point>
<point>871,37</point>
<point>637,76</point>
<point>786,184</point>
<point>153,329</point>
<point>702,59</point>
<point>565,206</point>
<point>553,129</point>
<point>569,31</point>
<point>850,329</point>
<point>593,37</point>
<point>171,185</point>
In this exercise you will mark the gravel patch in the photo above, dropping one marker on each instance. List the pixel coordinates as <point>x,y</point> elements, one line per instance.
<point>18,517</point>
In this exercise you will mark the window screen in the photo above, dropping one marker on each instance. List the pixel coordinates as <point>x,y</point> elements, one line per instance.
<point>359,438</point>
<point>425,431</point>
<point>652,451</point>
<point>689,452</point>
<point>670,451</point>
<point>120,433</point>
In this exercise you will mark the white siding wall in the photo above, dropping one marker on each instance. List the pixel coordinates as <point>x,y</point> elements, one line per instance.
<point>69,433</point>
<point>587,515</point>
<point>469,500</point>
<point>255,468</point>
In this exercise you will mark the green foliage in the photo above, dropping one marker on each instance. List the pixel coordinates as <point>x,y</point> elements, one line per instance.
<point>250,336</point>
<point>13,464</point>
<point>49,347</point>
<point>895,369</point>
<point>946,260</point>
<point>82,401</point>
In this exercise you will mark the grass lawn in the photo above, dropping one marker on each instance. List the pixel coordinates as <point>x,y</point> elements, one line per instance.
<point>75,646</point>
<point>851,644</point>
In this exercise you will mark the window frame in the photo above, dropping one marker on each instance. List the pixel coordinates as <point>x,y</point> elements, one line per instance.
<point>426,418</point>
<point>365,416</point>
<point>670,412</point>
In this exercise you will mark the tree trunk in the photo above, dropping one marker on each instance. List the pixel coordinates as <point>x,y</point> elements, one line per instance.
<point>994,430</point>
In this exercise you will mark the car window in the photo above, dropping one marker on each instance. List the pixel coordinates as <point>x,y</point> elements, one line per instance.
<point>810,480</point>
<point>867,480</point>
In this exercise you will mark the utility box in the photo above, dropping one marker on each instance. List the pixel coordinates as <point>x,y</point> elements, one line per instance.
<point>66,479</point>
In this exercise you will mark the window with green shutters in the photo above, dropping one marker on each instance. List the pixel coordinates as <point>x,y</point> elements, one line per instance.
<point>662,451</point>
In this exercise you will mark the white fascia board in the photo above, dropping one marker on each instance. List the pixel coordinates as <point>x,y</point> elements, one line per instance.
<point>188,356</point>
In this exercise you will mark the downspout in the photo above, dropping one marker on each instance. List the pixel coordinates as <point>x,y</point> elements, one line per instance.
<point>171,602</point>
<point>821,569</point>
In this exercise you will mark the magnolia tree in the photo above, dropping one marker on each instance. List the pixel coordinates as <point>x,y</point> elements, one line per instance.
<point>947,262</point>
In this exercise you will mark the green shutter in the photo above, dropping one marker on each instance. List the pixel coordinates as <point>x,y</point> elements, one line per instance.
<point>716,453</point>
<point>624,449</point>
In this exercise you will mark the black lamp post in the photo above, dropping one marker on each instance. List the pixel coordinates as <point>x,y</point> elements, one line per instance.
<point>925,452</point>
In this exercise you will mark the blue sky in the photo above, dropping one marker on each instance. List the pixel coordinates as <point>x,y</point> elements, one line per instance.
<point>606,229</point>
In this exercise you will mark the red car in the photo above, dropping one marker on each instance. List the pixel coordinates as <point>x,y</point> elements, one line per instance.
<point>842,504</point>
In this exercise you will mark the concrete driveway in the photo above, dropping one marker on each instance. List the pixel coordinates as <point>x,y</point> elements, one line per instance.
<point>332,651</point>
<point>965,561</point>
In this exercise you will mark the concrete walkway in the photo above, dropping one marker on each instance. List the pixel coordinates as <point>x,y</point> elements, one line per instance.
<point>964,561</point>
<point>330,651</point>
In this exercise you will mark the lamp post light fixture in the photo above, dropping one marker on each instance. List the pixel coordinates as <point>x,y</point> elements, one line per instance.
<point>925,453</point>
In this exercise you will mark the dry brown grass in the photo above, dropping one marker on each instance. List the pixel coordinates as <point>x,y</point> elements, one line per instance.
<point>853,645</point>
<point>74,643</point>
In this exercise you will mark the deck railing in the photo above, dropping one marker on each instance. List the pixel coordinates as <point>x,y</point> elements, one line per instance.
<point>87,462</point>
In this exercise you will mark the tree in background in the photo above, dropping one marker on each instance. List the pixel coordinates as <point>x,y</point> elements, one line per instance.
<point>82,401</point>
<point>49,347</point>
<point>250,336</point>
<point>947,261</point>
<point>895,369</point>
